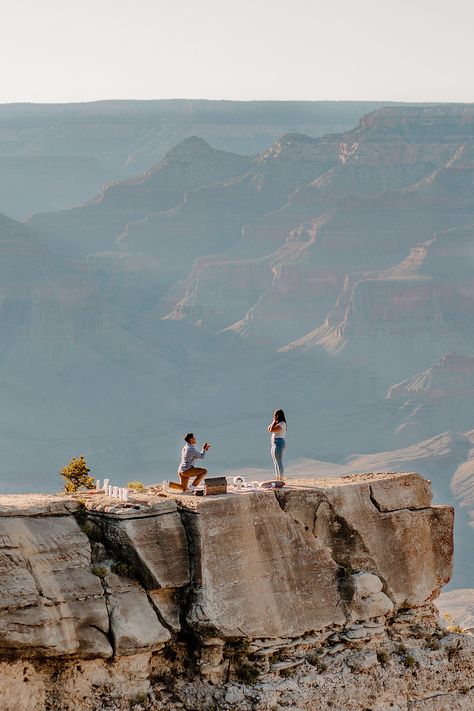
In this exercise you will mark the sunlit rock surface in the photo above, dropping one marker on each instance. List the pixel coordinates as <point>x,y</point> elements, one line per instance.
<point>334,569</point>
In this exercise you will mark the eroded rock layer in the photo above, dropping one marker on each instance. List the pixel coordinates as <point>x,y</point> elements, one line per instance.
<point>103,604</point>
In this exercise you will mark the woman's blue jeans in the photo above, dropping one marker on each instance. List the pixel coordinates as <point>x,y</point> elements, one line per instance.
<point>278,445</point>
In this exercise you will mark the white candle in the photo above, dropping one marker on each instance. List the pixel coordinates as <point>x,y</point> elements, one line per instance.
<point>106,485</point>
<point>115,492</point>
<point>125,493</point>
<point>97,484</point>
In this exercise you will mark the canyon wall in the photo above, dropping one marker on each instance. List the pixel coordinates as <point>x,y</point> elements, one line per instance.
<point>169,602</point>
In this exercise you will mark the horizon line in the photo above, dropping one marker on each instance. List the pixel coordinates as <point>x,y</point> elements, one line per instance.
<point>417,102</point>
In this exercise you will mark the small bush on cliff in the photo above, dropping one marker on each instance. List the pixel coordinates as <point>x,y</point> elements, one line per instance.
<point>136,485</point>
<point>247,673</point>
<point>288,672</point>
<point>76,475</point>
<point>122,569</point>
<point>409,661</point>
<point>99,570</point>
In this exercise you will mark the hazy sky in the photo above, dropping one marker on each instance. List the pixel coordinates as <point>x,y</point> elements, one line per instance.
<point>77,50</point>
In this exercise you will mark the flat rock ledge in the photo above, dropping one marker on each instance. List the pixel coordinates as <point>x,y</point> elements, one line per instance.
<point>320,592</point>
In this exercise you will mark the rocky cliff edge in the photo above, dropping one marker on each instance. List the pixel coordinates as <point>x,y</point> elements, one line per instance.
<point>122,604</point>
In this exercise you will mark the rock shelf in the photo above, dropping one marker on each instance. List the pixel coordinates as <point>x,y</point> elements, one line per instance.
<point>212,584</point>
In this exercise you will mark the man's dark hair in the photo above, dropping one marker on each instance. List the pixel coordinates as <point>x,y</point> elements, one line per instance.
<point>188,437</point>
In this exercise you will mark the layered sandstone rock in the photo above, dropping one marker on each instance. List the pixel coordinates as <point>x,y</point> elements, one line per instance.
<point>52,605</point>
<point>266,591</point>
<point>215,584</point>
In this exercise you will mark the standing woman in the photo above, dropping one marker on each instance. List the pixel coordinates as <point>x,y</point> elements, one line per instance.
<point>278,431</point>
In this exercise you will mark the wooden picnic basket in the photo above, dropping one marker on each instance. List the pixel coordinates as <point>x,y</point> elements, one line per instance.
<point>215,485</point>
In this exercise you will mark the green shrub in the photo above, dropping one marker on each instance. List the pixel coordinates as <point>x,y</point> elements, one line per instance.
<point>409,661</point>
<point>76,475</point>
<point>288,672</point>
<point>136,485</point>
<point>433,643</point>
<point>383,657</point>
<point>99,570</point>
<point>247,673</point>
<point>122,569</point>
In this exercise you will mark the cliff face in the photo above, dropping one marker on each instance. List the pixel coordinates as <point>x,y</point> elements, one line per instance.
<point>111,601</point>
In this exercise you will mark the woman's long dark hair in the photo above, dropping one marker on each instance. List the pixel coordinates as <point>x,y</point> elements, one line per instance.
<point>280,416</point>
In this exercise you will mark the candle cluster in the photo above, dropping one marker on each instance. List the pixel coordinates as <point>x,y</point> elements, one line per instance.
<point>115,492</point>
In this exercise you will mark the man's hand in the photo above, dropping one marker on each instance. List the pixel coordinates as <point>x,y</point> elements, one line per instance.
<point>206,446</point>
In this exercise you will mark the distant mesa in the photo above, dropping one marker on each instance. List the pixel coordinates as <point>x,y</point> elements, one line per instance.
<point>451,377</point>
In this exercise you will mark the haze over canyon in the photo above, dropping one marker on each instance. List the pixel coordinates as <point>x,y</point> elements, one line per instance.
<point>190,266</point>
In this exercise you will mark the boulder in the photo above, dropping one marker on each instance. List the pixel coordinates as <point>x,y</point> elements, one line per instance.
<point>365,608</point>
<point>366,584</point>
<point>369,601</point>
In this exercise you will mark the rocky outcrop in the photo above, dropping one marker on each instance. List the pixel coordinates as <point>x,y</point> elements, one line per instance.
<point>243,584</point>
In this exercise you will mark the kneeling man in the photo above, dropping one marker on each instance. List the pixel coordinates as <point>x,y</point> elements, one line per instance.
<point>186,469</point>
